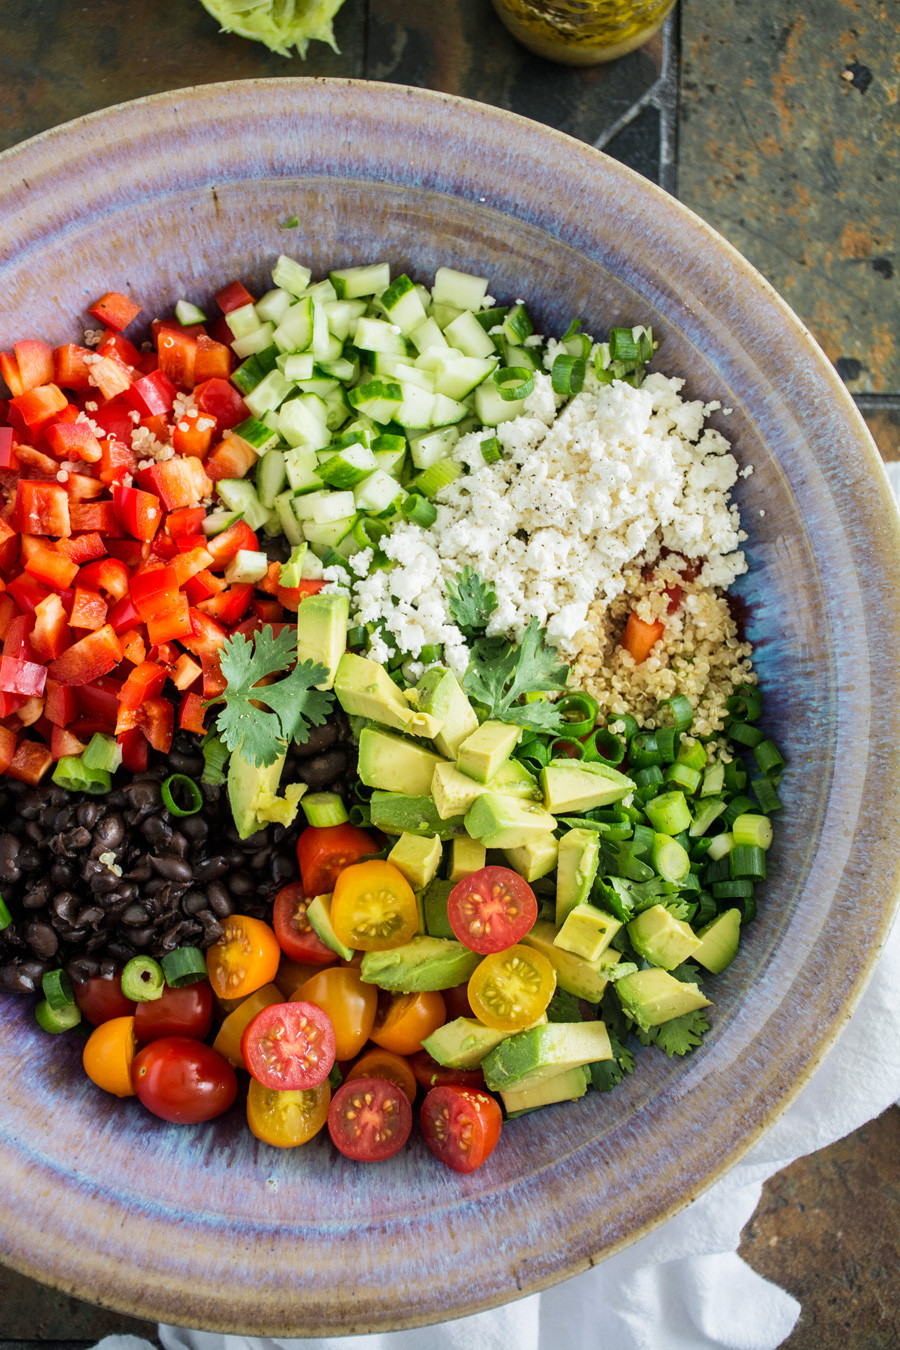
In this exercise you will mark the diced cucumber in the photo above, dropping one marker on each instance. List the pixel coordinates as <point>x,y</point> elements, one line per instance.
<point>216,521</point>
<point>448,412</point>
<point>324,507</point>
<point>492,409</point>
<point>300,463</point>
<point>297,365</point>
<point>467,335</point>
<point>331,534</point>
<point>342,316</point>
<point>290,525</point>
<point>271,476</point>
<point>427,336</point>
<point>391,461</point>
<point>457,376</point>
<point>351,282</point>
<point>337,409</point>
<point>517,325</point>
<point>342,369</point>
<point>348,467</point>
<point>254,342</point>
<point>430,446</point>
<point>378,399</point>
<point>290,275</point>
<point>272,307</point>
<point>402,304</point>
<point>524,358</point>
<point>269,394</point>
<point>444,314</point>
<point>377,492</point>
<point>399,368</point>
<point>240,495</point>
<point>243,321</point>
<point>377,335</point>
<point>246,565</point>
<point>255,433</point>
<point>458,288</point>
<point>295,332</point>
<point>416,409</point>
<point>187,313</point>
<point>322,292</point>
<point>320,384</point>
<point>301,421</point>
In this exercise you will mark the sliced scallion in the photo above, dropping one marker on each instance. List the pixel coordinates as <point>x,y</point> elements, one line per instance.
<point>735,776</point>
<point>745,733</point>
<point>624,725</point>
<point>491,450</point>
<point>644,750</point>
<point>579,712</point>
<point>102,752</point>
<point>57,1019</point>
<point>418,510</point>
<point>677,712</point>
<point>719,848</point>
<point>764,791</point>
<point>747,861</point>
<point>669,858</point>
<point>745,703</point>
<point>567,374</point>
<point>437,476</point>
<point>186,965</point>
<point>356,637</point>
<point>57,988</point>
<point>734,889</point>
<point>431,653</point>
<point>564,747</point>
<point>5,916</point>
<point>769,758</point>
<point>73,775</point>
<point>668,813</point>
<point>368,532</point>
<point>709,809</point>
<point>736,807</point>
<point>603,745</point>
<point>187,790</point>
<point>143,979</point>
<point>215,757</point>
<point>323,809</point>
<point>667,740</point>
<point>513,382</point>
<point>694,756</point>
<point>683,776</point>
<point>752,829</point>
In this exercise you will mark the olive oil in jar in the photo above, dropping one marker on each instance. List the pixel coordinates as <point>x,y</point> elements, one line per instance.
<point>582,32</point>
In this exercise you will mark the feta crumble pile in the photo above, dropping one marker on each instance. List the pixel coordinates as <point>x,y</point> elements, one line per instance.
<point>578,496</point>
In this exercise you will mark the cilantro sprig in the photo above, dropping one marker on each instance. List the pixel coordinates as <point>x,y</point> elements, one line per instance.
<point>500,673</point>
<point>290,706</point>
<point>471,602</point>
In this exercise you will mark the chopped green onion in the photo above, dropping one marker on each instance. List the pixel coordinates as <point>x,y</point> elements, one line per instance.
<point>745,703</point>
<point>356,637</point>
<point>579,712</point>
<point>215,757</point>
<point>752,829</point>
<point>644,750</point>
<point>713,780</point>
<point>143,979</point>
<point>735,776</point>
<point>747,861</point>
<point>564,747</point>
<point>603,745</point>
<point>513,382</point>
<point>573,328</point>
<point>716,869</point>
<point>436,477</point>
<point>694,756</point>
<point>736,807</point>
<point>57,1019</point>
<point>706,909</point>
<point>360,814</point>
<point>623,346</point>
<point>669,813</point>
<point>647,781</point>
<point>430,653</point>
<point>745,734</point>
<point>669,858</point>
<point>626,722</point>
<point>733,889</point>
<point>709,809</point>
<point>667,739</point>
<point>368,532</point>
<point>102,752</point>
<point>186,965</point>
<point>683,776</point>
<point>643,838</point>
<point>678,711</point>
<point>491,450</point>
<point>72,775</point>
<point>720,846</point>
<point>187,789</point>
<point>764,791</point>
<point>5,916</point>
<point>769,758</point>
<point>57,989</point>
<point>418,510</point>
<point>567,374</point>
<point>323,809</point>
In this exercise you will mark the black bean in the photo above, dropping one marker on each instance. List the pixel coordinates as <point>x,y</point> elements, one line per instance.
<point>320,738</point>
<point>195,828</point>
<point>61,875</point>
<point>141,937</point>
<point>260,860</point>
<point>29,858</point>
<point>109,832</point>
<point>82,968</point>
<point>190,764</point>
<point>66,905</point>
<point>321,771</point>
<point>212,929</point>
<point>135,915</point>
<point>41,939</point>
<point>15,979</point>
<point>38,895</point>
<point>90,916</point>
<point>240,883</point>
<point>193,902</point>
<point>35,832</point>
<point>87,814</point>
<point>210,869</point>
<point>218,900</point>
<point>156,832</point>
<point>282,869</point>
<point>173,869</point>
<point>178,845</point>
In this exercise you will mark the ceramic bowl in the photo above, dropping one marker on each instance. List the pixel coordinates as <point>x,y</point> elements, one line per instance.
<point>177,194</point>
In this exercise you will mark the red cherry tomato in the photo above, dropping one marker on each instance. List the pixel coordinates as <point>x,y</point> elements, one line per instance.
<point>492,909</point>
<point>461,1126</point>
<point>187,1011</point>
<point>369,1119</point>
<point>101,1000</point>
<point>289,1046</point>
<point>324,851</point>
<point>293,930</point>
<point>457,1002</point>
<point>183,1080</point>
<point>431,1074</point>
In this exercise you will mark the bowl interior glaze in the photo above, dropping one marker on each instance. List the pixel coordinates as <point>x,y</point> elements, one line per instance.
<point>177,194</point>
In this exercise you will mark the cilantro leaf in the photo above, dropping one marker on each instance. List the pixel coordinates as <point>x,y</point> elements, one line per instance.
<point>500,673</point>
<point>679,1035</point>
<point>293,702</point>
<point>608,1073</point>
<point>471,602</point>
<point>563,1007</point>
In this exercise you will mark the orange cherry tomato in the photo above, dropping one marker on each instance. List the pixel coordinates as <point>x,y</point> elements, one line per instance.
<point>378,1063</point>
<point>510,989</point>
<point>404,1020</point>
<point>286,1119</point>
<point>291,974</point>
<point>373,907</point>
<point>228,1039</point>
<point>108,1053</point>
<point>349,1003</point>
<point>244,959</point>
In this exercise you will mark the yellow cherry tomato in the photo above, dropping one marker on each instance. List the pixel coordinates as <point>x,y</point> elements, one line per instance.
<point>228,1039</point>
<point>350,1004</point>
<point>108,1053</point>
<point>511,989</point>
<point>286,1119</point>
<point>404,1020</point>
<point>373,907</point>
<point>244,959</point>
<point>378,1063</point>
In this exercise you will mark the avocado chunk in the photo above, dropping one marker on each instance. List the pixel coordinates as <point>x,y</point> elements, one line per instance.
<point>579,858</point>
<point>544,1089</point>
<point>319,914</point>
<point>396,765</point>
<point>587,931</point>
<point>535,858</point>
<point>322,632</point>
<point>421,964</point>
<point>365,689</point>
<point>506,822</point>
<point>653,996</point>
<point>440,694</point>
<point>575,974</point>
<point>555,1046</point>
<point>463,1043</point>
<point>418,857</point>
<point>570,786</point>
<point>512,779</point>
<point>661,939</point>
<point>453,792</point>
<point>481,754</point>
<point>718,941</point>
<point>434,908</point>
<point>467,855</point>
<point>399,813</point>
<point>253,795</point>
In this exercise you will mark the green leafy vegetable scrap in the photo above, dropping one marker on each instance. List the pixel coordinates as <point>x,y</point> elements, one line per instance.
<point>471,602</point>
<point>501,673</point>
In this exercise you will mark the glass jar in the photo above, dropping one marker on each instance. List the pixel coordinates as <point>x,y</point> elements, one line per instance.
<point>582,32</point>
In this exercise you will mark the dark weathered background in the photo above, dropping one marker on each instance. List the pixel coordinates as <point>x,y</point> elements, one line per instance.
<point>777,121</point>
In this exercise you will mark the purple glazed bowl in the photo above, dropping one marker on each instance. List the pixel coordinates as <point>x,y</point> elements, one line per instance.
<point>177,194</point>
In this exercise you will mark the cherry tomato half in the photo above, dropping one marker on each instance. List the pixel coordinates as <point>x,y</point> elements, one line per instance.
<point>294,932</point>
<point>373,907</point>
<point>187,1011</point>
<point>461,1127</point>
<point>369,1119</point>
<point>286,1119</point>
<point>289,1046</point>
<point>183,1080</point>
<point>245,957</point>
<point>324,851</point>
<point>430,1074</point>
<point>457,1001</point>
<point>492,909</point>
<point>404,1020</point>
<point>378,1063</point>
<point>510,989</point>
<point>350,1004</point>
<point>228,1037</point>
<point>100,999</point>
<point>108,1055</point>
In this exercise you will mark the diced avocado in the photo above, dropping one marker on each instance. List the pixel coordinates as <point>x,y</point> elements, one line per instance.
<point>396,765</point>
<point>398,813</point>
<point>322,632</point>
<point>557,1046</point>
<point>467,855</point>
<point>253,795</point>
<point>579,858</point>
<point>506,822</point>
<point>421,964</point>
<point>718,941</point>
<point>587,931</point>
<point>543,1089</point>
<point>661,939</point>
<point>319,914</point>
<point>440,694</point>
<point>453,792</point>
<point>653,996</point>
<point>512,779</point>
<point>463,1043</point>
<point>535,858</point>
<point>569,785</point>
<point>434,908</point>
<point>574,974</point>
<point>481,754</point>
<point>365,689</point>
<point>418,857</point>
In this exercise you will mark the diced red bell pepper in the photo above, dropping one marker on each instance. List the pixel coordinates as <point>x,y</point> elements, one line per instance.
<point>64,742</point>
<point>155,718</point>
<point>8,611</point>
<point>214,682</point>
<point>191,713</point>
<point>109,376</point>
<point>7,748</point>
<point>186,672</point>
<point>30,763</point>
<point>193,434</point>
<point>158,326</point>
<point>268,610</point>
<point>11,703</point>
<point>88,658</point>
<point>46,563</point>
<point>207,636</point>
<point>134,645</point>
<point>100,701</point>
<point>73,440</point>
<point>17,641</point>
<point>145,681</point>
<point>50,635</point>
<point>88,609</point>
<point>123,616</point>
<point>8,457</point>
<point>202,586</point>
<point>114,344</point>
<point>163,548</point>
<point>148,363</point>
<point>152,394</point>
<point>35,461</point>
<point>172,623</point>
<point>230,605</point>
<point>83,548</point>
<point>22,677</point>
<point>34,410</point>
<point>185,521</point>
<point>70,369</point>
<point>138,512</point>
<point>187,564</point>
<point>153,590</point>
<point>233,296</point>
<point>9,369</point>
<point>35,362</point>
<point>116,460</point>
<point>293,596</point>
<point>157,425</point>
<point>41,508</point>
<point>180,482</point>
<point>94,518</point>
<point>232,458</point>
<point>82,488</point>
<point>177,353</point>
<point>219,399</point>
<point>108,575</point>
<point>32,709</point>
<point>27,592</point>
<point>129,551</point>
<point>116,420</point>
<point>115,311</point>
<point>135,750</point>
<point>226,545</point>
<point>60,703</point>
<point>213,361</point>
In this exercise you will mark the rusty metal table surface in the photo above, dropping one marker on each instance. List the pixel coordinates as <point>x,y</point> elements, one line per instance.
<point>777,122</point>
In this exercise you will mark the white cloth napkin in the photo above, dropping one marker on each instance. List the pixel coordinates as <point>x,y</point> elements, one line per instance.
<point>683,1287</point>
